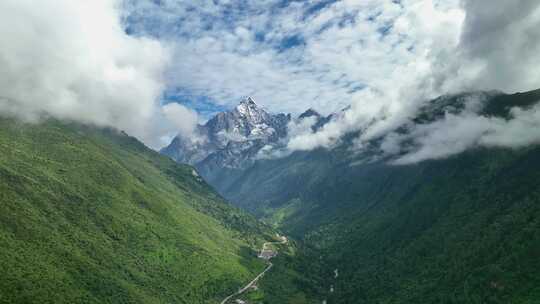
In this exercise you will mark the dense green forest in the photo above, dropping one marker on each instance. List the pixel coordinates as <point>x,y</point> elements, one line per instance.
<point>464,229</point>
<point>90,215</point>
<point>297,277</point>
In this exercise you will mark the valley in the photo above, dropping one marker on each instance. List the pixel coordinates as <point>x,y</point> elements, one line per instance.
<point>265,254</point>
<point>452,229</point>
<point>122,223</point>
<point>269,152</point>
<point>92,215</point>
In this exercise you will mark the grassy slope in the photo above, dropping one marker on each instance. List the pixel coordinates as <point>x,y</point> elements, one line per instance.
<point>92,216</point>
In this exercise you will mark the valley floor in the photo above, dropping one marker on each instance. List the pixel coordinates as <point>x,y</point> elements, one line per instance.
<point>266,254</point>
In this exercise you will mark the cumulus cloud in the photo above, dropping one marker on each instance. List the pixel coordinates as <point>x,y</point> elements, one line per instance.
<point>184,119</point>
<point>502,39</point>
<point>497,48</point>
<point>297,55</point>
<point>479,45</point>
<point>457,133</point>
<point>73,60</point>
<point>382,59</point>
<point>523,130</point>
<point>375,56</point>
<point>400,69</point>
<point>104,61</point>
<point>298,129</point>
<point>300,133</point>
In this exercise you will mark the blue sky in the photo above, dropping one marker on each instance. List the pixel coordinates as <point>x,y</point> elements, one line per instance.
<point>146,66</point>
<point>288,55</point>
<point>203,105</point>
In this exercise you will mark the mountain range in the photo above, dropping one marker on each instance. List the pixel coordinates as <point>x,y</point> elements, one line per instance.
<point>232,141</point>
<point>460,229</point>
<point>91,215</point>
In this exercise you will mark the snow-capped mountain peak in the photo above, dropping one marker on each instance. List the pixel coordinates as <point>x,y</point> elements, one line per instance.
<point>232,138</point>
<point>249,110</point>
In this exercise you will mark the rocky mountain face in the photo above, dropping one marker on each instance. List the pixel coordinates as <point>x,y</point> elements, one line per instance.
<point>232,140</point>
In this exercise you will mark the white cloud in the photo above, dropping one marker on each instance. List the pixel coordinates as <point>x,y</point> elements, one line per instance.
<point>300,133</point>
<point>485,50</point>
<point>502,40</point>
<point>73,60</point>
<point>520,131</point>
<point>398,69</point>
<point>457,133</point>
<point>184,119</point>
<point>454,134</point>
<point>342,48</point>
<point>380,57</point>
<point>498,47</point>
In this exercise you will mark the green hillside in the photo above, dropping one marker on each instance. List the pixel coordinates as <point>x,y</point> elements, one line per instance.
<point>459,230</point>
<point>462,230</point>
<point>90,215</point>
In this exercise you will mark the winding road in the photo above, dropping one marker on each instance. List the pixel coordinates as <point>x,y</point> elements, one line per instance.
<point>264,254</point>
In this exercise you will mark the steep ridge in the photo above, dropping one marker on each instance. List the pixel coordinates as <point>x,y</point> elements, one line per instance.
<point>90,215</point>
<point>230,140</point>
<point>458,230</point>
<point>276,183</point>
<point>461,230</point>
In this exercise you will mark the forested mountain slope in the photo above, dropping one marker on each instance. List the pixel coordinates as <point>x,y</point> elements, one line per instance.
<point>275,183</point>
<point>90,215</point>
<point>462,229</point>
